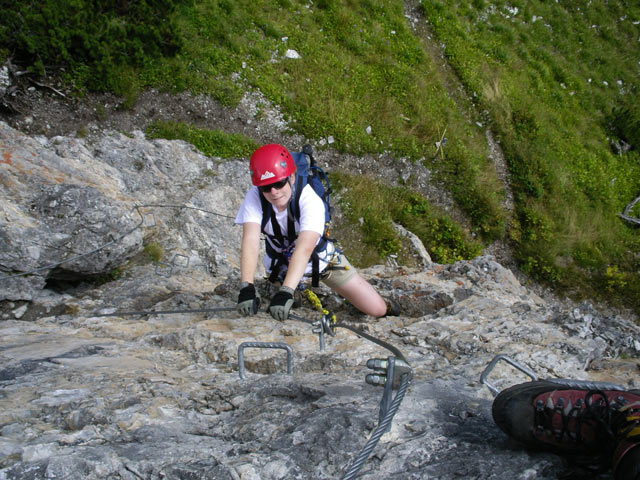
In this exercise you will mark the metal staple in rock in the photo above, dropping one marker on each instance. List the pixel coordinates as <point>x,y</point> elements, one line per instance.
<point>279,345</point>
<point>384,423</point>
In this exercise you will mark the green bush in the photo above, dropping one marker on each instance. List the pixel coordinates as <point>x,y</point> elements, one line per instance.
<point>92,40</point>
<point>376,207</point>
<point>153,251</point>
<point>626,121</point>
<point>443,238</point>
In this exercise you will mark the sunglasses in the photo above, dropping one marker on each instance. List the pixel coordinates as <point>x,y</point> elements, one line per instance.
<point>277,185</point>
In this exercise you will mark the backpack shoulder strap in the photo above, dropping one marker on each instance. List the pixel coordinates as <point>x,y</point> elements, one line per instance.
<point>267,210</point>
<point>294,204</point>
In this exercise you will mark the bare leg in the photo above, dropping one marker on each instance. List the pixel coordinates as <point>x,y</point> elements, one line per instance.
<point>363,296</point>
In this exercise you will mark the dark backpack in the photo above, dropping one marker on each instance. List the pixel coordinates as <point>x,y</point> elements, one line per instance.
<point>307,172</point>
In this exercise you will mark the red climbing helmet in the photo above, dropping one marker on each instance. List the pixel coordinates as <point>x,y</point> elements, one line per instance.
<point>270,164</point>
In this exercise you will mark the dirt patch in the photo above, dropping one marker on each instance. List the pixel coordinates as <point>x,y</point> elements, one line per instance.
<point>40,110</point>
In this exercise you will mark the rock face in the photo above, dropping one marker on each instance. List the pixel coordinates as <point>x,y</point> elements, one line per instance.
<point>91,390</point>
<point>64,199</point>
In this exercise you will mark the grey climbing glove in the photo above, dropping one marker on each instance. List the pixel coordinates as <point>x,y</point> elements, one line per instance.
<point>281,303</point>
<point>248,299</point>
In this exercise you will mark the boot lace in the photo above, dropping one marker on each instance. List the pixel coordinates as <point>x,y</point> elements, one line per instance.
<point>595,422</point>
<point>626,422</point>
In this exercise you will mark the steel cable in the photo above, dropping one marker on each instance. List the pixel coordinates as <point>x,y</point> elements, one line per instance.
<point>383,424</point>
<point>54,265</point>
<point>382,427</point>
<point>164,312</point>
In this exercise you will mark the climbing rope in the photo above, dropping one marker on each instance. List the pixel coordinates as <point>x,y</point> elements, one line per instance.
<point>317,304</point>
<point>331,323</point>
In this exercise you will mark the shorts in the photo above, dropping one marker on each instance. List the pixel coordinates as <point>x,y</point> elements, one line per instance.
<point>338,272</point>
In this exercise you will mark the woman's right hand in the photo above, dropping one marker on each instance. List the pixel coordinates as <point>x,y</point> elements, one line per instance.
<point>248,299</point>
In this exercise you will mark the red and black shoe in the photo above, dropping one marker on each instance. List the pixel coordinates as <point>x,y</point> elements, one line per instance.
<point>596,428</point>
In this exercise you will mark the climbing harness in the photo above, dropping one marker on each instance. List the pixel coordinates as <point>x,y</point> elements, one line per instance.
<point>277,245</point>
<point>588,384</point>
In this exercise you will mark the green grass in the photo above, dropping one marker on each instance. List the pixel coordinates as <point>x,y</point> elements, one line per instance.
<point>559,82</point>
<point>375,207</point>
<point>360,67</point>
<point>99,47</point>
<point>153,251</point>
<point>214,143</point>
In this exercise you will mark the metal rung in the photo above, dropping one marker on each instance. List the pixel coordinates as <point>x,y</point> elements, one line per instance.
<point>180,260</point>
<point>164,269</point>
<point>279,345</point>
<point>565,382</point>
<point>509,360</point>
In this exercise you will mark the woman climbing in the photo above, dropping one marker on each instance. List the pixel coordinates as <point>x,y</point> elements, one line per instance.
<point>295,244</point>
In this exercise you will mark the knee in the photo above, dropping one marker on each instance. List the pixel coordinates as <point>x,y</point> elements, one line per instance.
<point>377,308</point>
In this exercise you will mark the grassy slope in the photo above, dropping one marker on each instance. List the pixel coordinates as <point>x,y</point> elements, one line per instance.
<point>362,78</point>
<point>551,76</point>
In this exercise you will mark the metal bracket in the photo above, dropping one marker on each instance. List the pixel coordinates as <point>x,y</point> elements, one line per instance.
<point>566,382</point>
<point>160,269</point>
<point>393,368</point>
<point>178,260</point>
<point>512,362</point>
<point>324,326</point>
<point>278,345</point>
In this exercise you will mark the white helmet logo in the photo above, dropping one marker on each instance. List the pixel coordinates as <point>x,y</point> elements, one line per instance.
<point>267,174</point>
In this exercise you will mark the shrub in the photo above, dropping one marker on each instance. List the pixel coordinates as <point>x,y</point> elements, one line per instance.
<point>375,207</point>
<point>626,121</point>
<point>153,251</point>
<point>90,39</point>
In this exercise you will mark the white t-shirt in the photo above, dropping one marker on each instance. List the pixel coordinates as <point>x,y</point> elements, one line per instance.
<point>311,219</point>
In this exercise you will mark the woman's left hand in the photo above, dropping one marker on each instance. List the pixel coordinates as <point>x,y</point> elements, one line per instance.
<point>281,303</point>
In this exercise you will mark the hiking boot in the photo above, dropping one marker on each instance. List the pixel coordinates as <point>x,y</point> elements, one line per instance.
<point>393,308</point>
<point>593,428</point>
<point>626,460</point>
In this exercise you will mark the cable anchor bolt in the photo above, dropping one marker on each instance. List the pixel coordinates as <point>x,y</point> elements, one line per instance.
<point>390,371</point>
